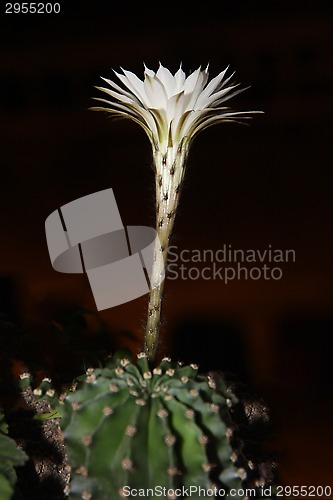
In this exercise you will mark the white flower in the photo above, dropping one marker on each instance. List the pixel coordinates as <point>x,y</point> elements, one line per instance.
<point>172,108</point>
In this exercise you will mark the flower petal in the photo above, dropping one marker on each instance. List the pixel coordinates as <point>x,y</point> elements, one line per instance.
<point>155,92</point>
<point>180,78</point>
<point>134,84</point>
<point>191,81</point>
<point>172,108</point>
<point>116,95</point>
<point>228,96</point>
<point>212,86</point>
<point>161,124</point>
<point>167,79</point>
<point>201,81</point>
<point>121,90</point>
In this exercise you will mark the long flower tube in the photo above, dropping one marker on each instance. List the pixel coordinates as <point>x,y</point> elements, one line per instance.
<point>172,109</point>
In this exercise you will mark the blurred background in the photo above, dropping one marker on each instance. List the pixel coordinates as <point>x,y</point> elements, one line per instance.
<point>248,187</point>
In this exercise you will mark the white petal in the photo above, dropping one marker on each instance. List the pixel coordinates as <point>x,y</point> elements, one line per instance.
<point>191,81</point>
<point>176,105</point>
<point>161,124</point>
<point>131,111</point>
<point>134,84</point>
<point>186,122</point>
<point>169,107</point>
<point>121,90</point>
<point>211,118</point>
<point>182,106</point>
<point>167,79</point>
<point>180,78</point>
<point>149,72</point>
<point>228,96</point>
<point>212,86</point>
<point>178,126</point>
<point>155,93</point>
<point>201,81</point>
<point>218,95</point>
<point>114,106</point>
<point>118,96</point>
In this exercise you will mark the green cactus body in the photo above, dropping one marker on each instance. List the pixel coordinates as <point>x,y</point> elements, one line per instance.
<point>129,429</point>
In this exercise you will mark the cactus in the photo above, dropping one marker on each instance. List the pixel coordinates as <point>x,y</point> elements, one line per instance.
<point>44,392</point>
<point>166,430</point>
<point>129,428</point>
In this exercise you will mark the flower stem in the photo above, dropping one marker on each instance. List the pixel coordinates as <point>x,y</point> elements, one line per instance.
<point>170,168</point>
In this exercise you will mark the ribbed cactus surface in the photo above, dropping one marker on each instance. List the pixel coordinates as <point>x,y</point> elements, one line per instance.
<point>130,430</point>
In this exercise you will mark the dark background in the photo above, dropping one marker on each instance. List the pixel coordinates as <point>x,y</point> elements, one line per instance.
<point>250,187</point>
